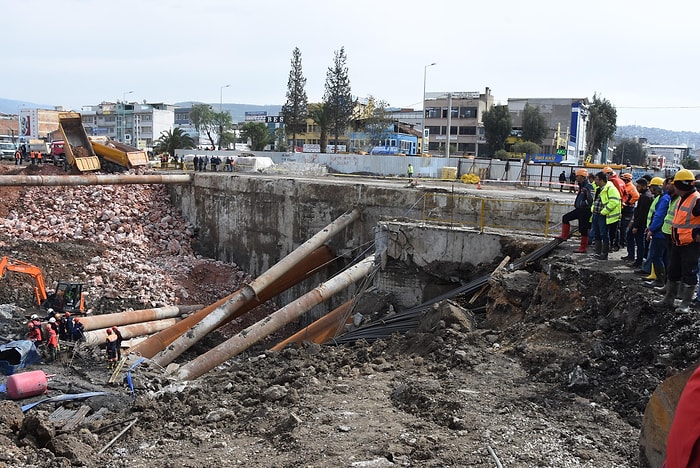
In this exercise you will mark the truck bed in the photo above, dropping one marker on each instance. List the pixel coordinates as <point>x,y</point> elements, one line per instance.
<point>79,151</point>
<point>120,154</point>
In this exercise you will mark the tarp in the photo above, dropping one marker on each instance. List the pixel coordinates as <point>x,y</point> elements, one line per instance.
<point>17,355</point>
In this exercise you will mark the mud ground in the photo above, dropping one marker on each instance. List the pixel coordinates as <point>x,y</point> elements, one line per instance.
<point>553,369</point>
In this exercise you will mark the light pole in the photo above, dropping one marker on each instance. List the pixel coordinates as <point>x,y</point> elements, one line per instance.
<point>221,106</point>
<point>124,115</point>
<point>422,128</point>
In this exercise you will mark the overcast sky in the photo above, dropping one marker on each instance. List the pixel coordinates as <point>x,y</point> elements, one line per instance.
<point>641,55</point>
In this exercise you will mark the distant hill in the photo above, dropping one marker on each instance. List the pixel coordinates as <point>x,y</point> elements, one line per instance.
<point>658,136</point>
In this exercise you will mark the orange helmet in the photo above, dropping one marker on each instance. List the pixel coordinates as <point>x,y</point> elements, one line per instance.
<point>627,177</point>
<point>582,172</point>
<point>608,170</point>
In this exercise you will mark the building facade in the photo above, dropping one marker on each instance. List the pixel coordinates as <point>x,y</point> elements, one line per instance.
<point>136,124</point>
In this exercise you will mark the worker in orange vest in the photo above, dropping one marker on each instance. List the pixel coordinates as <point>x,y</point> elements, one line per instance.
<point>38,157</point>
<point>111,348</point>
<point>32,157</point>
<point>52,345</point>
<point>18,158</point>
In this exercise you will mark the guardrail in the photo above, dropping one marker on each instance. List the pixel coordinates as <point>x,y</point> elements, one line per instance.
<point>510,214</point>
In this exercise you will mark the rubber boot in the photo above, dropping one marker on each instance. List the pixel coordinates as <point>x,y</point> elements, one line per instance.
<point>652,275</point>
<point>660,278</point>
<point>606,250</point>
<point>598,248</point>
<point>565,231</point>
<point>583,248</point>
<point>671,291</point>
<point>686,293</point>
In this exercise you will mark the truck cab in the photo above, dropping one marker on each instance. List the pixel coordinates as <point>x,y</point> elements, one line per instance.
<point>7,151</point>
<point>57,153</point>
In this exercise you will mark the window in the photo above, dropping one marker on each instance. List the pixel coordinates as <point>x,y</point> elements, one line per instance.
<point>467,112</point>
<point>467,130</point>
<point>433,113</point>
<point>434,130</point>
<point>466,147</point>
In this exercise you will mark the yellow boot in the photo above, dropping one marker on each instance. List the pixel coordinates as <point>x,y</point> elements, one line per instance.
<point>652,275</point>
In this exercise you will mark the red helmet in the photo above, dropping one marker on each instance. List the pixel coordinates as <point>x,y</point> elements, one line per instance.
<point>109,331</point>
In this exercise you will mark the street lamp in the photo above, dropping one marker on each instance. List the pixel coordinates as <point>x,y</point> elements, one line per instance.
<point>221,105</point>
<point>124,114</point>
<point>422,128</point>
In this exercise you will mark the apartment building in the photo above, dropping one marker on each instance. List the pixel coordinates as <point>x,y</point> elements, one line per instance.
<point>133,123</point>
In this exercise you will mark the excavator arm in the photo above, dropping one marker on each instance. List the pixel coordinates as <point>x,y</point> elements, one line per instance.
<point>23,267</point>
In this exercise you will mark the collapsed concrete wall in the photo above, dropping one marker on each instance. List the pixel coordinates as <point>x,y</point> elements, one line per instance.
<point>255,220</point>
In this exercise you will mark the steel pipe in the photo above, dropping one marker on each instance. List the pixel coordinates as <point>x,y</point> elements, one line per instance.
<point>322,329</point>
<point>97,337</point>
<point>251,335</point>
<point>94,179</point>
<point>93,322</point>
<point>221,313</point>
<point>304,269</point>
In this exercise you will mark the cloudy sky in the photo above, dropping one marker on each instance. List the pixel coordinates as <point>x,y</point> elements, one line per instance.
<point>641,55</point>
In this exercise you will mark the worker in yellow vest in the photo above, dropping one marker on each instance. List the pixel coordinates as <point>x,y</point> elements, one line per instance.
<point>605,212</point>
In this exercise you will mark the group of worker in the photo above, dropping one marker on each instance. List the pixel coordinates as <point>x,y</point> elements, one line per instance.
<point>47,337</point>
<point>35,157</point>
<point>657,220</point>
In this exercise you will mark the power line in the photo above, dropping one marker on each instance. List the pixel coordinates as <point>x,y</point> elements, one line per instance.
<point>657,107</point>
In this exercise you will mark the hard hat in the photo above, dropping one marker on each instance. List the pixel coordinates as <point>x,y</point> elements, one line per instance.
<point>608,170</point>
<point>52,320</point>
<point>626,176</point>
<point>109,331</point>
<point>684,175</point>
<point>34,316</point>
<point>582,172</point>
<point>658,181</point>
<point>50,310</point>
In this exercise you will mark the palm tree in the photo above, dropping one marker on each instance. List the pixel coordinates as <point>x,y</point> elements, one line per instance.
<point>321,118</point>
<point>169,141</point>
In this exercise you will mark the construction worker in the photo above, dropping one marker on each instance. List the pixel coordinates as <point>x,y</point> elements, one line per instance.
<point>628,205</point>
<point>52,342</point>
<point>605,212</point>
<point>685,249</point>
<point>69,325</point>
<point>638,224</point>
<point>78,333</point>
<point>111,348</point>
<point>581,211</point>
<point>118,334</point>
<point>622,190</point>
<point>32,157</point>
<point>34,333</point>
<point>654,233</point>
<point>18,158</point>
<point>38,157</point>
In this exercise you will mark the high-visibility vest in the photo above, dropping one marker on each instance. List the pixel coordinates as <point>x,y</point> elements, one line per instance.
<point>668,220</point>
<point>684,221</point>
<point>31,154</point>
<point>612,203</point>
<point>38,155</point>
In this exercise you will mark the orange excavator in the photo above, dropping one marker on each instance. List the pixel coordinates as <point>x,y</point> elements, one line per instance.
<point>67,297</point>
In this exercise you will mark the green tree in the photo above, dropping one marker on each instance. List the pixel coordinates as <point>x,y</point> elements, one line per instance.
<point>337,97</point>
<point>204,120</point>
<point>534,125</point>
<point>690,163</point>
<point>375,121</point>
<point>280,138</point>
<point>497,127</point>
<point>602,123</point>
<point>629,150</point>
<point>294,111</point>
<point>258,134</point>
<point>170,140</point>
<point>527,147</point>
<point>320,117</point>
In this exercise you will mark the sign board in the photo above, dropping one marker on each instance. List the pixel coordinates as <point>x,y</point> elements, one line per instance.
<point>257,116</point>
<point>546,158</point>
<point>274,119</point>
<point>28,123</point>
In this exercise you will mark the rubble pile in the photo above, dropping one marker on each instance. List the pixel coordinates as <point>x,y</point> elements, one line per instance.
<point>147,245</point>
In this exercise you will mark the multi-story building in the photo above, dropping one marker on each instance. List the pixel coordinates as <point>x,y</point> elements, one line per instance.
<point>566,122</point>
<point>136,124</point>
<point>459,116</point>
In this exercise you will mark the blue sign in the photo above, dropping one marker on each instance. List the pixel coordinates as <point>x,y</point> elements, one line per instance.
<point>546,158</point>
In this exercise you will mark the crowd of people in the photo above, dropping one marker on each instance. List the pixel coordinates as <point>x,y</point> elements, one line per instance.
<point>657,220</point>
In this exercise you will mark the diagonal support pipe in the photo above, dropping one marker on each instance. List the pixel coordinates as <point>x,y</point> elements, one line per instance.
<point>248,292</point>
<point>246,338</point>
<point>94,322</point>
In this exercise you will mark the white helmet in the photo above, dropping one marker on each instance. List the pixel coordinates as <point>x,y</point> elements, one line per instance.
<point>52,320</point>
<point>50,310</point>
<point>34,316</point>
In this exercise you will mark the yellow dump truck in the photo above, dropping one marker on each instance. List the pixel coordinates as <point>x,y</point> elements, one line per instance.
<point>117,156</point>
<point>80,155</point>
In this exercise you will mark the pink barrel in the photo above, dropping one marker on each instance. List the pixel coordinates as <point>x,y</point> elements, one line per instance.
<point>26,384</point>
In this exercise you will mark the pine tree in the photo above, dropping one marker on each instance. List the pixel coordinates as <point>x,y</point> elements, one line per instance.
<point>294,111</point>
<point>337,97</point>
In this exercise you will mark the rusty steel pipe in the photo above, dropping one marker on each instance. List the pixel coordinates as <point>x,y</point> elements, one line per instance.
<point>93,322</point>
<point>248,292</point>
<point>304,269</point>
<point>97,337</point>
<point>322,329</point>
<point>94,179</point>
<point>251,335</point>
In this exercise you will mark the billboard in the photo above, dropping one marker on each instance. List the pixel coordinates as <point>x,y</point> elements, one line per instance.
<point>28,123</point>
<point>257,116</point>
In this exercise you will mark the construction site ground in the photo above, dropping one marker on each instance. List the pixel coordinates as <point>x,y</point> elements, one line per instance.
<point>554,371</point>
